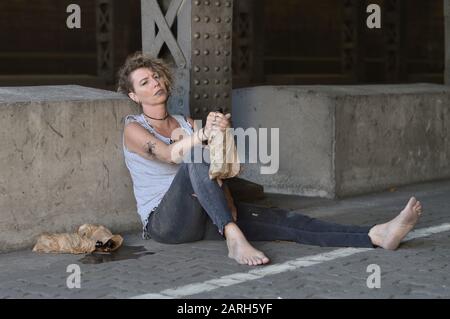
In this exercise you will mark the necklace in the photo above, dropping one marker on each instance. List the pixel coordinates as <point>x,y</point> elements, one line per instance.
<point>166,116</point>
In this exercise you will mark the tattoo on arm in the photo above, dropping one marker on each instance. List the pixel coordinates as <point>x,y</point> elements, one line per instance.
<point>151,148</point>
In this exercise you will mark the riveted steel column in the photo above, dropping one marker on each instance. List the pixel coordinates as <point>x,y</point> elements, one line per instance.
<point>200,49</point>
<point>105,44</point>
<point>211,56</point>
<point>447,41</point>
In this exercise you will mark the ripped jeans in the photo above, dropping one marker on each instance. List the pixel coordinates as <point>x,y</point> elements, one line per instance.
<point>182,217</point>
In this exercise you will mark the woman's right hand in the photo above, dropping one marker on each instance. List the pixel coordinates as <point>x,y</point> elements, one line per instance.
<point>216,121</point>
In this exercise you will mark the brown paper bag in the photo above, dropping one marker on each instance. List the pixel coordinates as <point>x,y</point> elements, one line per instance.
<point>223,155</point>
<point>89,238</point>
<point>64,243</point>
<point>101,234</point>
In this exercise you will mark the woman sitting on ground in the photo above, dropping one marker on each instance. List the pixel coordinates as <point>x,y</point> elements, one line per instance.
<point>177,201</point>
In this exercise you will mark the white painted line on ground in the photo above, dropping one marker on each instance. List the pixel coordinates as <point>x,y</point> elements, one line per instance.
<point>238,278</point>
<point>424,232</point>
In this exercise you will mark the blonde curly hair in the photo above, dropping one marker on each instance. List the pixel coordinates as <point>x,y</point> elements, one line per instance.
<point>140,60</point>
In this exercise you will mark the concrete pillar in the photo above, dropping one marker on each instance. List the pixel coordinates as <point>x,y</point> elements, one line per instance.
<point>447,41</point>
<point>199,48</point>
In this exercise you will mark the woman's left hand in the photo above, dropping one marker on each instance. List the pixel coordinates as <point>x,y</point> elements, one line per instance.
<point>217,121</point>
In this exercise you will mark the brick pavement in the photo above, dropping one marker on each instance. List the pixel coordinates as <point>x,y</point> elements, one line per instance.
<point>418,270</point>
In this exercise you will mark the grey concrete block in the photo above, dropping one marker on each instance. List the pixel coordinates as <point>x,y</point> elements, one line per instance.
<point>61,162</point>
<point>338,141</point>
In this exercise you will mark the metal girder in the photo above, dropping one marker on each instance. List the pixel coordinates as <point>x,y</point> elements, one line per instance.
<point>200,47</point>
<point>392,33</point>
<point>105,44</point>
<point>352,65</point>
<point>248,42</point>
<point>211,56</point>
<point>447,41</point>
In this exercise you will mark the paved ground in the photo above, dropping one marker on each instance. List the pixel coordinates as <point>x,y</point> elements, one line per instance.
<point>419,269</point>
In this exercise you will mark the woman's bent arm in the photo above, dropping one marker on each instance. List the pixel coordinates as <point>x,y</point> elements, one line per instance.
<point>138,140</point>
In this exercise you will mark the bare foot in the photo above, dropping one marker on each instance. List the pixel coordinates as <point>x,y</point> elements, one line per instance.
<point>390,234</point>
<point>240,249</point>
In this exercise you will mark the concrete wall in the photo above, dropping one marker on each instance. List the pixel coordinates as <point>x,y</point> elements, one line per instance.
<point>61,162</point>
<point>391,135</point>
<point>347,140</point>
<point>306,121</point>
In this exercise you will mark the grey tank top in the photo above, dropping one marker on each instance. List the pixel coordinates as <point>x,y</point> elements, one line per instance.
<point>151,178</point>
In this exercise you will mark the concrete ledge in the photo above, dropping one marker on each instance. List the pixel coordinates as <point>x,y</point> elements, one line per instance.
<point>339,141</point>
<point>61,162</point>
